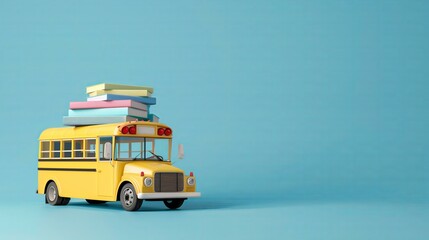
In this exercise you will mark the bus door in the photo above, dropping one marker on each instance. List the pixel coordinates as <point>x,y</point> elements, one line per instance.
<point>105,167</point>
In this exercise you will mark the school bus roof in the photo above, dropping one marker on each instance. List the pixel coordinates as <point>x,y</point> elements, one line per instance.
<point>93,130</point>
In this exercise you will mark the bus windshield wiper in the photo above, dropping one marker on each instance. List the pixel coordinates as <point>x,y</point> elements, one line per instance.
<point>160,158</point>
<point>134,158</point>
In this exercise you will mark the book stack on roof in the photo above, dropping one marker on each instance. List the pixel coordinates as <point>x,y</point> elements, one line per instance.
<point>111,103</point>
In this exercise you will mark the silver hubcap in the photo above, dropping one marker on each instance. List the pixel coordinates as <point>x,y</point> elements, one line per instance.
<point>52,193</point>
<point>128,197</point>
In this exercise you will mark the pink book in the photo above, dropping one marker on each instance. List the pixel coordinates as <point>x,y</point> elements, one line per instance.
<point>108,104</point>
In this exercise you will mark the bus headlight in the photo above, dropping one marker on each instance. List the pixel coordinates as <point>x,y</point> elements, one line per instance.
<point>191,181</point>
<point>147,181</point>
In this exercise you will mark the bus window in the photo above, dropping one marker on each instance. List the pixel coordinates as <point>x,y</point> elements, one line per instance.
<point>138,148</point>
<point>103,140</point>
<point>45,148</point>
<point>123,150</point>
<point>78,148</point>
<point>56,149</point>
<point>161,148</point>
<point>90,148</point>
<point>149,146</point>
<point>67,152</point>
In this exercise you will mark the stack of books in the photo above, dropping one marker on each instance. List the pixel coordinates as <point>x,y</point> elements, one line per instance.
<point>111,103</point>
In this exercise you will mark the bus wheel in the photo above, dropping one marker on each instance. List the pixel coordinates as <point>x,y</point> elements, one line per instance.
<point>174,204</point>
<point>94,201</point>
<point>52,196</point>
<point>129,199</point>
<point>65,201</point>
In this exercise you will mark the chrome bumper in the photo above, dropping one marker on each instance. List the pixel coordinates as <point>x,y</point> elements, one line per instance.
<point>168,195</point>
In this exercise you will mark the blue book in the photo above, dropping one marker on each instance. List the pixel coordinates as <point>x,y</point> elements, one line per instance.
<point>108,97</point>
<point>83,121</point>
<point>108,112</point>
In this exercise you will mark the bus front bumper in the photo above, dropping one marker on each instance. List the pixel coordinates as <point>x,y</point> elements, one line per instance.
<point>168,195</point>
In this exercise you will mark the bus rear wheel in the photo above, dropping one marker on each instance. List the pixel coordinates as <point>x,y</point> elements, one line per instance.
<point>129,199</point>
<point>53,197</point>
<point>90,201</point>
<point>174,204</point>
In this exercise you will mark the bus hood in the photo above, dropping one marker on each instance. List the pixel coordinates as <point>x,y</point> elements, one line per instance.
<point>150,168</point>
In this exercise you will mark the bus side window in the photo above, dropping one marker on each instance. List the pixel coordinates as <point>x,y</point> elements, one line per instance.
<point>78,148</point>
<point>56,149</point>
<point>103,140</point>
<point>45,149</point>
<point>67,149</point>
<point>90,148</point>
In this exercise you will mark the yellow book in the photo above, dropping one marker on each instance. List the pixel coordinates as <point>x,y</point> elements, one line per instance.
<point>110,86</point>
<point>137,93</point>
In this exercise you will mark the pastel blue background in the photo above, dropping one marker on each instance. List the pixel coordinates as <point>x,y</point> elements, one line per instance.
<point>300,119</point>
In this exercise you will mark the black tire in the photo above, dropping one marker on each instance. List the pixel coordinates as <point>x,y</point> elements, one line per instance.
<point>174,203</point>
<point>52,195</point>
<point>90,201</point>
<point>129,199</point>
<point>65,201</point>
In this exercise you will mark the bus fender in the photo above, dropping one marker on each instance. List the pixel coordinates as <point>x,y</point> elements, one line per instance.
<point>131,180</point>
<point>56,182</point>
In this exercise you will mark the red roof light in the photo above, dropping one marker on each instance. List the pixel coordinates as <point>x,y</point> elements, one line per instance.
<point>168,132</point>
<point>161,131</point>
<point>132,130</point>
<point>124,130</point>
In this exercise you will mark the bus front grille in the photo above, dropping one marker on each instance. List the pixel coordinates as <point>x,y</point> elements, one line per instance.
<point>168,182</point>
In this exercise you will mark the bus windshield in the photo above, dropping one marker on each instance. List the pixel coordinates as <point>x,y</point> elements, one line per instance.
<point>141,148</point>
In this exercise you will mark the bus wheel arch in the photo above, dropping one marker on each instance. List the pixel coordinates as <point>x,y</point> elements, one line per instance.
<point>125,181</point>
<point>118,191</point>
<point>46,187</point>
<point>52,194</point>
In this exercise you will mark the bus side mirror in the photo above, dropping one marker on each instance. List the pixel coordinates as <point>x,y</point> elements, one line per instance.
<point>107,153</point>
<point>181,152</point>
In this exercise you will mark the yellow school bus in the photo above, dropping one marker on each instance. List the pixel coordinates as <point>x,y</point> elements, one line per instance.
<point>128,162</point>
